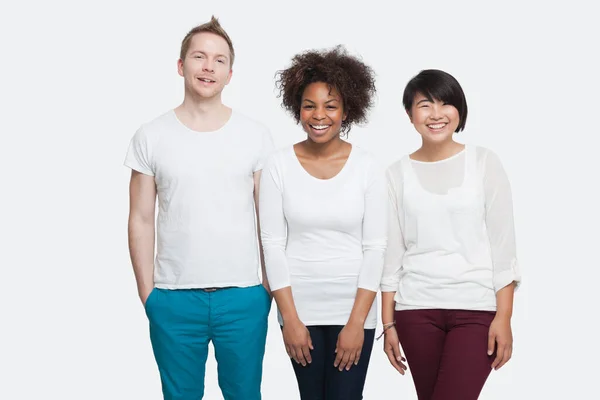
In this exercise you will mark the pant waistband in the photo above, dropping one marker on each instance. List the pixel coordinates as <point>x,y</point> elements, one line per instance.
<point>214,289</point>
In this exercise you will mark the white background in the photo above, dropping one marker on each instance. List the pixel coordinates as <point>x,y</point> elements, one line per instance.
<point>78,78</point>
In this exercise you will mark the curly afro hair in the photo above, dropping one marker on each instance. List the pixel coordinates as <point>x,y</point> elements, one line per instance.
<point>353,79</point>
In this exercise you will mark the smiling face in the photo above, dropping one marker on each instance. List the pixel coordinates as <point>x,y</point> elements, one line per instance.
<point>434,119</point>
<point>321,112</point>
<point>206,68</point>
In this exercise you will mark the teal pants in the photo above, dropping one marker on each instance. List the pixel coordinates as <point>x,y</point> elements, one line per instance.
<point>183,322</point>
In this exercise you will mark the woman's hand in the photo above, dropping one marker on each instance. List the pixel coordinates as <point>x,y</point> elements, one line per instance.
<point>349,346</point>
<point>500,337</point>
<point>391,347</point>
<point>297,341</point>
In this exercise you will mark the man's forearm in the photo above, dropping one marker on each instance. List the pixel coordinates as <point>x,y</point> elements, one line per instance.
<point>141,251</point>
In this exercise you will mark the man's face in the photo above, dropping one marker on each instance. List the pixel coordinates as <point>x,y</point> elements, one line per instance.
<point>206,68</point>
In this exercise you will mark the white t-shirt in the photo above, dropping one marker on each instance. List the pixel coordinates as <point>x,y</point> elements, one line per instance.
<point>451,242</point>
<point>206,232</point>
<point>324,237</point>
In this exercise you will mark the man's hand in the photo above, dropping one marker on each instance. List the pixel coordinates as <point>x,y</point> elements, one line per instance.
<point>144,294</point>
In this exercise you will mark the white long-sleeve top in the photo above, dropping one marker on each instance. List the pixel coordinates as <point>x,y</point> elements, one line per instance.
<point>451,238</point>
<point>324,237</point>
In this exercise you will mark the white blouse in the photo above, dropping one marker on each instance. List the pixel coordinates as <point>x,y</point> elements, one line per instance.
<point>451,239</point>
<point>324,237</point>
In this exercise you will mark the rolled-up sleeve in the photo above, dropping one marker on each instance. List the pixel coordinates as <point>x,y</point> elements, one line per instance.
<point>499,221</point>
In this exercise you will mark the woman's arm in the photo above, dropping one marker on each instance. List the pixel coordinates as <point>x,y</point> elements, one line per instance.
<point>396,248</point>
<point>391,270</point>
<point>295,334</point>
<point>500,333</point>
<point>499,222</point>
<point>374,238</point>
<point>274,237</point>
<point>501,232</point>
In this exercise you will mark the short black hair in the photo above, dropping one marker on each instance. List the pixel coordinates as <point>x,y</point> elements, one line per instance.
<point>349,75</point>
<point>439,85</point>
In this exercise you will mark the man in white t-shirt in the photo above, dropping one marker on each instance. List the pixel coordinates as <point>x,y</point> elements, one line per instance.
<point>203,161</point>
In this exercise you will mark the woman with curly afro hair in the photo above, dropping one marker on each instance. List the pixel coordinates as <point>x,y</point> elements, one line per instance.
<point>323,226</point>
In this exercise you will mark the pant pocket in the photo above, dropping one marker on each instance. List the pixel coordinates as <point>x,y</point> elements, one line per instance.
<point>149,300</point>
<point>267,297</point>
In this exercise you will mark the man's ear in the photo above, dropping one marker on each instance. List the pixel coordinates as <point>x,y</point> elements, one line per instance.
<point>180,67</point>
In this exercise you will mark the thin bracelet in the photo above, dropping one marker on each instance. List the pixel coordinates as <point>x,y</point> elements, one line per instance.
<point>385,328</point>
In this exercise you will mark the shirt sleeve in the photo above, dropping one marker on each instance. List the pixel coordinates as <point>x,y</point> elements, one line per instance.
<point>499,221</point>
<point>273,226</point>
<point>374,230</point>
<point>139,154</point>
<point>266,149</point>
<point>395,245</point>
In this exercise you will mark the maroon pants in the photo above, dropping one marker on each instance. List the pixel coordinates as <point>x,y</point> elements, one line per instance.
<point>446,351</point>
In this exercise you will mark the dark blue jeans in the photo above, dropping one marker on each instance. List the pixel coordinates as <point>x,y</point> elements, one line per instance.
<point>320,380</point>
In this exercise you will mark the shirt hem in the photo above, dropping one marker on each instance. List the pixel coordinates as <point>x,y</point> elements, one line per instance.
<point>467,307</point>
<point>368,324</point>
<point>172,286</point>
<point>388,288</point>
<point>138,168</point>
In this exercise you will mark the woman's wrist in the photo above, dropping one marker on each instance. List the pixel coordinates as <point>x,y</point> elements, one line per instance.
<point>386,327</point>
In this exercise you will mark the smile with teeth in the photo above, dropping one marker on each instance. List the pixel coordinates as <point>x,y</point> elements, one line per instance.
<point>206,80</point>
<point>319,127</point>
<point>436,126</point>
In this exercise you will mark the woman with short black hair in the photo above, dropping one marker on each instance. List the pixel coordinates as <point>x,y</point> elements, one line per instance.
<point>451,267</point>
